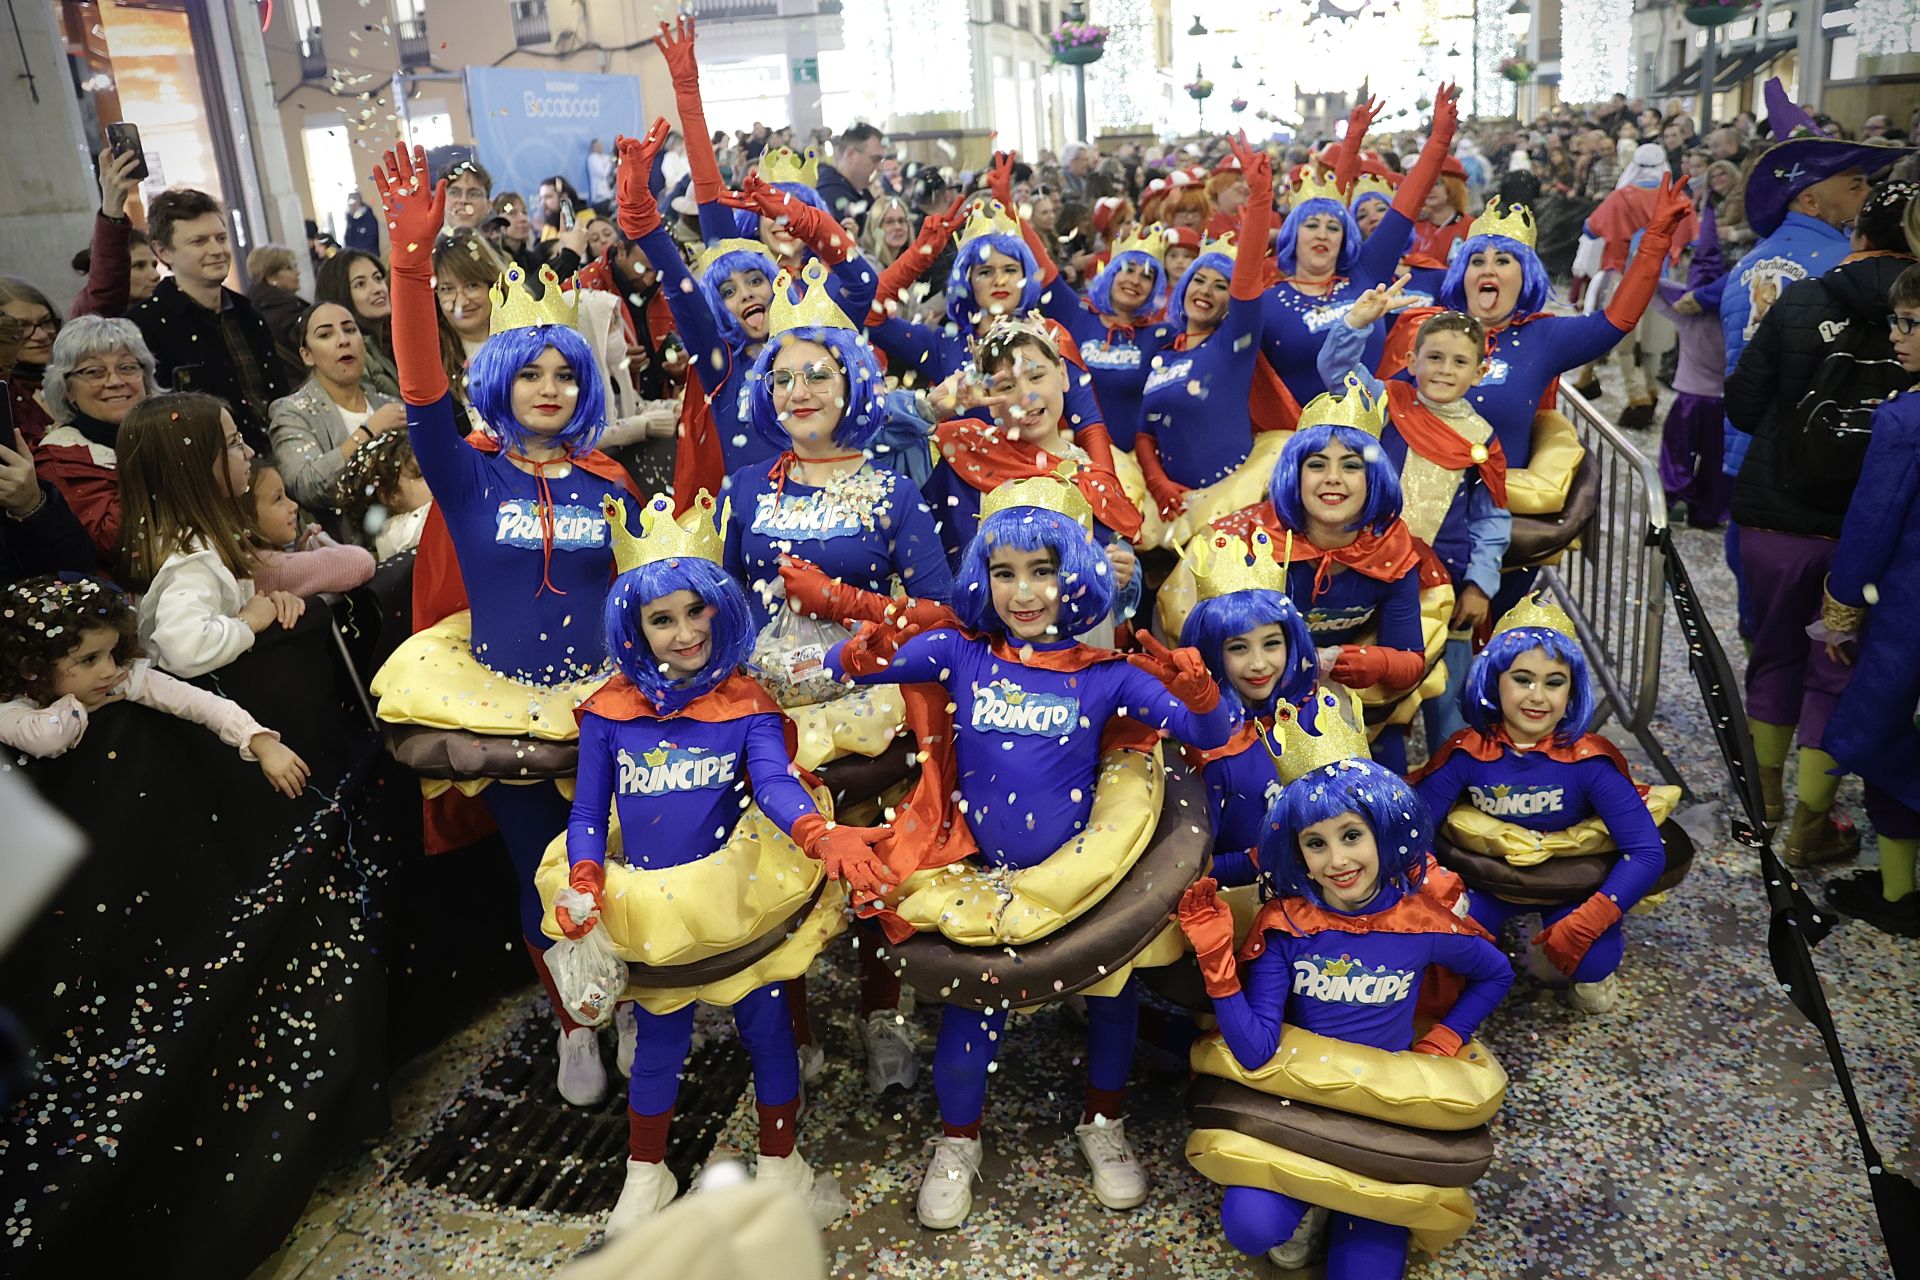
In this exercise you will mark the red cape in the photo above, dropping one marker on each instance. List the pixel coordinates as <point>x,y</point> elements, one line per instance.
<point>1428,435</point>
<point>1414,913</point>
<point>1491,746</point>
<point>735,698</point>
<point>1385,557</point>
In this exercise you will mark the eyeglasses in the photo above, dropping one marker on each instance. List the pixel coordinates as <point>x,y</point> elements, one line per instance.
<point>96,373</point>
<point>31,327</point>
<point>1903,325</point>
<point>817,376</point>
<point>236,443</point>
<point>461,288</point>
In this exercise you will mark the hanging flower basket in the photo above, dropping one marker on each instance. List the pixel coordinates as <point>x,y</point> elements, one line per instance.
<point>1517,70</point>
<point>1717,13</point>
<point>1238,104</point>
<point>1076,44</point>
<point>1200,90</point>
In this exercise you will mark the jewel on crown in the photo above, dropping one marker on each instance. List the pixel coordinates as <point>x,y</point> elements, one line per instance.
<point>1150,240</point>
<point>1316,182</point>
<point>1537,611</point>
<point>1355,408</point>
<point>988,218</point>
<point>1515,224</point>
<point>1223,563</point>
<point>816,308</point>
<point>515,307</point>
<point>1314,736</point>
<point>695,535</point>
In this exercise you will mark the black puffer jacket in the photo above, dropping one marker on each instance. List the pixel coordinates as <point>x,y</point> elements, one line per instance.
<point>1846,305</point>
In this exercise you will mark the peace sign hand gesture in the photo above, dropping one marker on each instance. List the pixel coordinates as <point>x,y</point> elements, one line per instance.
<point>1377,302</point>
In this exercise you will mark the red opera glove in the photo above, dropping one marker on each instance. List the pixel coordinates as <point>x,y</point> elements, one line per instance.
<point>675,44</point>
<point>872,648</point>
<point>1359,120</point>
<point>847,852</point>
<point>1000,177</point>
<point>589,878</point>
<point>1670,210</point>
<point>1442,1042</point>
<point>1566,941</point>
<point>634,207</point>
<point>1255,166</point>
<point>815,228</point>
<point>1411,194</point>
<point>1167,493</point>
<point>935,230</point>
<point>1363,666</point>
<point>1183,671</point>
<point>1642,276</point>
<point>1208,924</point>
<point>413,220</point>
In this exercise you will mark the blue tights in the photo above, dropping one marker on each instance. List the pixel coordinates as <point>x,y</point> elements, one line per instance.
<point>1255,1220</point>
<point>1602,958</point>
<point>664,1040</point>
<point>969,1039</point>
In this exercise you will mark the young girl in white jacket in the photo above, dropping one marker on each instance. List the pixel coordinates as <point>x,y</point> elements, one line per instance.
<point>183,467</point>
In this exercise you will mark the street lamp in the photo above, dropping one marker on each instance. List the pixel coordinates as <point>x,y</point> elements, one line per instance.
<point>1198,28</point>
<point>1077,12</point>
<point>1519,19</point>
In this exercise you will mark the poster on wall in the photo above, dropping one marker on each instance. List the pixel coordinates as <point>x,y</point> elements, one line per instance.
<point>529,124</point>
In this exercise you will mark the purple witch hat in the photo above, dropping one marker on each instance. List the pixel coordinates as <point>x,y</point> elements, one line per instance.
<point>1803,157</point>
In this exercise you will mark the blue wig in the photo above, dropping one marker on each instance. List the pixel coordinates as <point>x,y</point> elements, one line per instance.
<point>491,373</point>
<point>734,260</point>
<point>864,412</point>
<point>1365,196</point>
<point>1100,292</point>
<point>960,306</point>
<point>1392,810</point>
<point>1177,307</point>
<point>1085,578</point>
<point>733,629</point>
<point>1480,695</point>
<point>1214,622</point>
<point>1535,288</point>
<point>1383,482</point>
<point>1350,236</point>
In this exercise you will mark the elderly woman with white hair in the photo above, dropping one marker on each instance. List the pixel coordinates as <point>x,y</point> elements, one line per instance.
<point>100,368</point>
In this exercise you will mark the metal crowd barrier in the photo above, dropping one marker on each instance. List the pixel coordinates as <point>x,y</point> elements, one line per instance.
<point>1613,584</point>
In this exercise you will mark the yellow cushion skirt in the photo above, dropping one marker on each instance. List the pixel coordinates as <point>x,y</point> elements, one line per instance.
<point>1245,486</point>
<point>976,906</point>
<point>1435,1216</point>
<point>1413,1089</point>
<point>1540,488</point>
<point>1478,832</point>
<point>752,884</point>
<point>864,723</point>
<point>433,679</point>
<point>1153,530</point>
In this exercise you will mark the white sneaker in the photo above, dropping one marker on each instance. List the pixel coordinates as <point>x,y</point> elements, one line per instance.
<point>1595,997</point>
<point>1542,968</point>
<point>628,1027</point>
<point>946,1191</point>
<point>788,1172</point>
<point>813,1060</point>
<point>890,1056</point>
<point>650,1187</point>
<point>1308,1239</point>
<point>1118,1180</point>
<point>583,1077</point>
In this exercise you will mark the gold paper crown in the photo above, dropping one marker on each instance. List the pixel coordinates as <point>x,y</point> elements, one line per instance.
<point>1057,493</point>
<point>989,217</point>
<point>1223,563</point>
<point>1150,240</point>
<point>1224,246</point>
<point>1356,408</point>
<point>816,308</point>
<point>1332,739</point>
<point>1370,184</point>
<point>1515,224</point>
<point>694,535</point>
<point>784,164</point>
<point>1316,183</point>
<point>713,252</point>
<point>1538,610</point>
<point>514,307</point>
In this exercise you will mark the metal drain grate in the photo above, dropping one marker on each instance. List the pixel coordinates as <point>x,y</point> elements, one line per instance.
<point>508,1139</point>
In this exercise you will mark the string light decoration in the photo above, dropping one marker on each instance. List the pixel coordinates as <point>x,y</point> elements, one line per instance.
<point>1600,30</point>
<point>1887,26</point>
<point>1122,92</point>
<point>1494,96</point>
<point>907,50</point>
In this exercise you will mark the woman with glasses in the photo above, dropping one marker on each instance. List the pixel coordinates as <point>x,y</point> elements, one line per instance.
<point>465,269</point>
<point>98,371</point>
<point>36,323</point>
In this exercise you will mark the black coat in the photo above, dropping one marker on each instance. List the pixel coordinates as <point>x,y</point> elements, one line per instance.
<point>841,197</point>
<point>183,335</point>
<point>51,540</point>
<point>1848,305</point>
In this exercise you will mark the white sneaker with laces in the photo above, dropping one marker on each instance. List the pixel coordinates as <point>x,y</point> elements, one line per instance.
<point>1595,997</point>
<point>627,1026</point>
<point>790,1172</point>
<point>583,1077</point>
<point>946,1191</point>
<point>813,1060</point>
<point>1118,1180</point>
<point>890,1056</point>
<point>1308,1240</point>
<point>650,1187</point>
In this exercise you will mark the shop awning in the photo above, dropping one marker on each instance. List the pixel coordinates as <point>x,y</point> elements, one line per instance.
<point>1734,66</point>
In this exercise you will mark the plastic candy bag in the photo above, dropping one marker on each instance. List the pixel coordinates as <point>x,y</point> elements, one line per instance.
<point>791,655</point>
<point>589,974</point>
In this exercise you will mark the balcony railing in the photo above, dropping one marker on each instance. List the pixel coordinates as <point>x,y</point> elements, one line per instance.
<point>313,56</point>
<point>414,51</point>
<point>735,10</point>
<point>529,22</point>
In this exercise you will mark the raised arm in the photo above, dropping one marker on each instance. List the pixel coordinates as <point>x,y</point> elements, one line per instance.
<point>639,219</point>
<point>935,230</point>
<point>1249,280</point>
<point>1173,691</point>
<point>676,46</point>
<point>1671,211</point>
<point>414,218</point>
